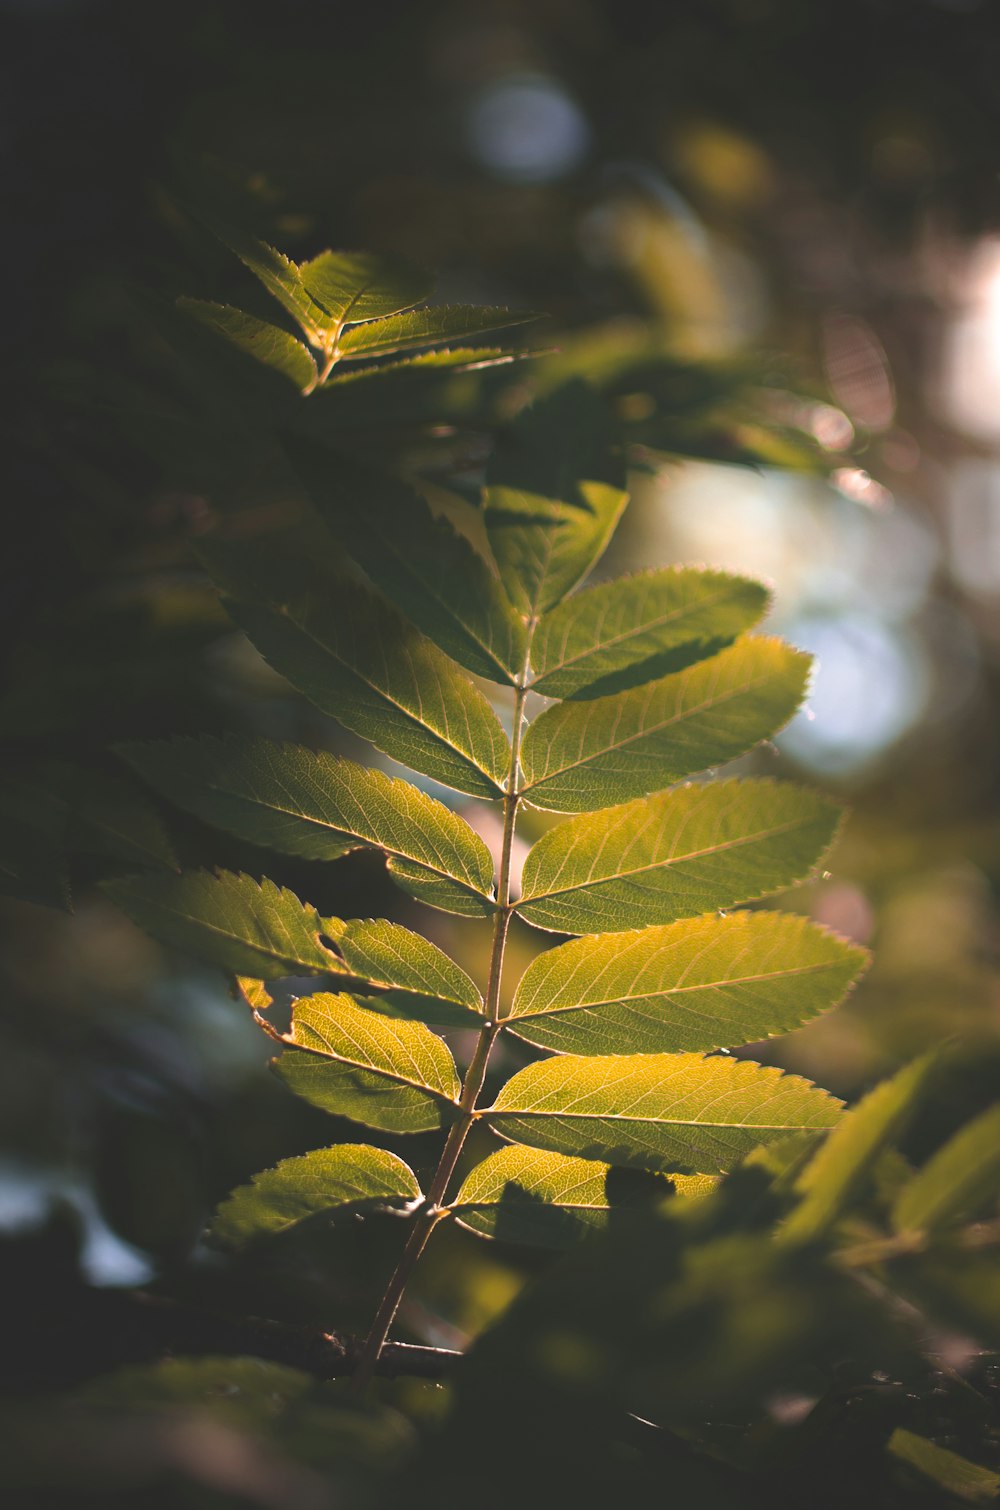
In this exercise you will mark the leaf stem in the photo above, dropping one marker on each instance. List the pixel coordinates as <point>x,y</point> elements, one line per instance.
<point>432,1211</point>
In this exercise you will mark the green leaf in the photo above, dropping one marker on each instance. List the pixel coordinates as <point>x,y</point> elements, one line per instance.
<point>707,983</point>
<point>267,343</point>
<point>299,802</point>
<point>621,634</point>
<point>348,1174</point>
<point>943,1468</point>
<point>421,564</point>
<point>657,1111</point>
<point>414,977</point>
<point>525,1195</point>
<point>577,756</point>
<point>381,1071</point>
<point>674,855</point>
<point>425,327</point>
<point>554,493</point>
<point>462,358</point>
<point>279,275</point>
<point>830,1180</point>
<point>958,1183</point>
<point>245,926</point>
<point>358,661</point>
<point>353,286</point>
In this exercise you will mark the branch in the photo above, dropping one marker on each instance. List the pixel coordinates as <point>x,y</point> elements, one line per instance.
<point>325,1355</point>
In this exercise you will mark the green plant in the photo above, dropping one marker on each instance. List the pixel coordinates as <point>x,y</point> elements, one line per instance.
<point>647,680</point>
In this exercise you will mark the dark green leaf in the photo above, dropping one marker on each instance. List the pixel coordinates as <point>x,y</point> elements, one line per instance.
<point>361,663</point>
<point>846,1159</point>
<point>303,803</point>
<point>706,983</point>
<point>944,1469</point>
<point>381,1071</point>
<point>675,855</point>
<point>621,634</point>
<point>421,564</point>
<point>657,1111</point>
<point>245,926</point>
<point>960,1182</point>
<point>267,343</point>
<point>348,1174</point>
<point>554,493</point>
<point>582,755</point>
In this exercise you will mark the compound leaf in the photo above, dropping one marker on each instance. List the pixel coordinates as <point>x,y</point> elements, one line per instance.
<point>381,1071</point>
<point>958,1183</point>
<point>668,1112</point>
<point>526,1195</point>
<point>257,338</point>
<point>347,1174</point>
<point>555,489</point>
<point>707,983</point>
<point>361,663</point>
<point>421,564</point>
<point>245,926</point>
<point>426,327</point>
<point>580,755</point>
<point>674,855</point>
<point>317,806</point>
<point>621,634</point>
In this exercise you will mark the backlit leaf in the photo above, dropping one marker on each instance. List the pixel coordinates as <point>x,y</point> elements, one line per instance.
<point>554,493</point>
<point>348,1174</point>
<point>578,756</point>
<point>354,286</point>
<point>358,661</point>
<point>245,926</point>
<point>676,854</point>
<point>621,634</point>
<point>461,358</point>
<point>958,1183</point>
<point>669,1112</point>
<point>414,978</point>
<point>278,274</point>
<point>381,1071</point>
<point>706,983</point>
<point>421,564</point>
<point>299,802</point>
<point>425,327</point>
<point>525,1195</point>
<point>267,343</point>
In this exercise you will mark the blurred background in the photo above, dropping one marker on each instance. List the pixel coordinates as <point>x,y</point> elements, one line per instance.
<point>769,230</point>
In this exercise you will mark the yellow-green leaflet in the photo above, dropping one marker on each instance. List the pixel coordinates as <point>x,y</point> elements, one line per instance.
<point>679,1112</point>
<point>348,1174</point>
<point>705,984</point>
<point>578,756</point>
<point>381,1071</point>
